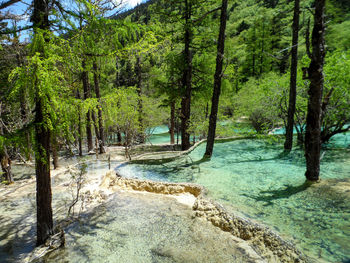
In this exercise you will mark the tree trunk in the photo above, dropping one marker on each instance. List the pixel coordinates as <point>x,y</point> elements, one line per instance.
<point>54,151</point>
<point>313,119</point>
<point>293,78</point>
<point>254,47</point>
<point>217,81</point>
<point>5,159</point>
<point>186,81</point>
<point>262,49</point>
<point>6,165</point>
<point>87,94</point>
<point>43,180</point>
<point>80,132</point>
<point>94,121</point>
<point>138,72</point>
<point>40,20</point>
<point>172,122</point>
<point>101,139</point>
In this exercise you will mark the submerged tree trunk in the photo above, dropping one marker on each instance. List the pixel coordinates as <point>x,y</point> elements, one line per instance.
<point>40,20</point>
<point>314,113</point>
<point>87,94</point>
<point>217,81</point>
<point>186,81</point>
<point>101,139</point>
<point>293,78</point>
<point>172,122</point>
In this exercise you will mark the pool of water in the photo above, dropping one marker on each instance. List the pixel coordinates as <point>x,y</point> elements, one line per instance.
<point>137,227</point>
<point>257,179</point>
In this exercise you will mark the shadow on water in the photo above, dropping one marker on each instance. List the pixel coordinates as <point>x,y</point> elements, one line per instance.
<point>269,196</point>
<point>88,224</point>
<point>18,237</point>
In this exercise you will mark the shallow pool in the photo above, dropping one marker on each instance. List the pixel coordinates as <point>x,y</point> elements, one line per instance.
<point>257,179</point>
<point>139,227</point>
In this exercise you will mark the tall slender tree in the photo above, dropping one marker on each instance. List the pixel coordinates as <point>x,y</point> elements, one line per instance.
<point>187,78</point>
<point>87,95</point>
<point>40,19</point>
<point>100,133</point>
<point>217,81</point>
<point>293,78</point>
<point>314,110</point>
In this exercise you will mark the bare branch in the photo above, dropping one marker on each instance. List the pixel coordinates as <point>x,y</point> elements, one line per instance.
<point>8,3</point>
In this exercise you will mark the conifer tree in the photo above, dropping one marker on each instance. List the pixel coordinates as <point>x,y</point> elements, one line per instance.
<point>314,109</point>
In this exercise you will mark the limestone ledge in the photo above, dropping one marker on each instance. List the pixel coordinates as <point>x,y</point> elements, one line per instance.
<point>111,181</point>
<point>267,243</point>
<point>263,240</point>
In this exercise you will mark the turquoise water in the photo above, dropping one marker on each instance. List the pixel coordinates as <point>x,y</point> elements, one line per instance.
<point>257,179</point>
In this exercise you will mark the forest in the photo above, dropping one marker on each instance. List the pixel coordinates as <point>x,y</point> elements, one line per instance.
<point>242,106</point>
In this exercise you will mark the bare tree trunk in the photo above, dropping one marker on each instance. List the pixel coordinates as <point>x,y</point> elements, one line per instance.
<point>99,109</point>
<point>314,113</point>
<point>187,81</point>
<point>293,78</point>
<point>217,81</point>
<point>172,122</point>
<point>40,20</point>
<point>87,94</point>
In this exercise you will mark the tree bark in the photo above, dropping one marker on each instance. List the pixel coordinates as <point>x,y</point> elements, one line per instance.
<point>40,20</point>
<point>217,81</point>
<point>314,114</point>
<point>43,180</point>
<point>293,78</point>
<point>87,94</point>
<point>101,139</point>
<point>172,122</point>
<point>186,81</point>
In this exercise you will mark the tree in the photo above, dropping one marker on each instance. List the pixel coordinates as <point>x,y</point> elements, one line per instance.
<point>293,78</point>
<point>187,77</point>
<point>314,112</point>
<point>217,81</point>
<point>4,157</point>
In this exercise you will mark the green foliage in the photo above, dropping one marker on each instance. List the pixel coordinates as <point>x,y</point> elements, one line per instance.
<point>42,78</point>
<point>339,36</point>
<point>261,101</point>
